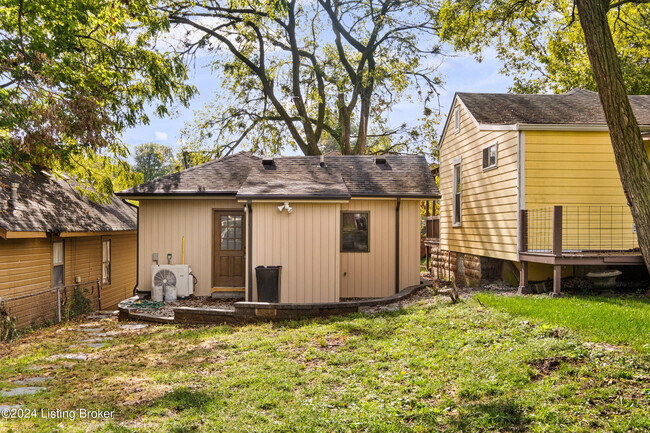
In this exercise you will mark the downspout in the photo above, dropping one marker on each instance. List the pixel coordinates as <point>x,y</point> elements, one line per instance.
<point>250,251</point>
<point>397,245</point>
<point>137,248</point>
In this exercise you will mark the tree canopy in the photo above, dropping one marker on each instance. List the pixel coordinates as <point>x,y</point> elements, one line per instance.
<point>74,74</point>
<point>153,160</point>
<point>541,45</point>
<point>305,74</point>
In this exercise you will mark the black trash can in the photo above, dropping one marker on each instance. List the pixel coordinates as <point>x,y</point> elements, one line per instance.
<point>268,283</point>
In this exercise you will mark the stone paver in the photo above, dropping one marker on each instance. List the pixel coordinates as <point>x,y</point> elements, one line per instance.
<point>9,407</point>
<point>73,356</point>
<point>107,334</point>
<point>97,340</point>
<point>25,390</point>
<point>32,380</point>
<point>133,326</point>
<point>96,345</point>
<point>41,367</point>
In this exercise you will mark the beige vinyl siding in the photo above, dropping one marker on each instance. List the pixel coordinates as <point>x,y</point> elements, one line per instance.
<point>306,243</point>
<point>409,238</point>
<point>164,222</point>
<point>372,274</point>
<point>489,206</point>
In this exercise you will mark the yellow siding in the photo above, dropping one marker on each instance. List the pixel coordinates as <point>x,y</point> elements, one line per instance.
<point>123,269</point>
<point>577,170</point>
<point>25,266</point>
<point>372,274</point>
<point>163,223</point>
<point>489,198</point>
<point>305,243</point>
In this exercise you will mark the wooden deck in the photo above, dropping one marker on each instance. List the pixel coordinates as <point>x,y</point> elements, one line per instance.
<point>558,254</point>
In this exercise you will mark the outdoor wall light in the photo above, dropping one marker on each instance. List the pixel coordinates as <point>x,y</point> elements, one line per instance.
<point>285,206</point>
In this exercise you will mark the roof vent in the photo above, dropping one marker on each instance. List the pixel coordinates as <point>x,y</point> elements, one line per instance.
<point>322,161</point>
<point>380,161</point>
<point>14,194</point>
<point>268,163</point>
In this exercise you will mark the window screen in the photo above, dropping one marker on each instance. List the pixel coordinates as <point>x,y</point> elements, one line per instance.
<point>106,261</point>
<point>58,263</point>
<point>490,156</point>
<point>354,232</point>
<point>457,194</point>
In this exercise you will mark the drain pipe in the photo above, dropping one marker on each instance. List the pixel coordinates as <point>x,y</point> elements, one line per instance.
<point>137,249</point>
<point>250,250</point>
<point>399,201</point>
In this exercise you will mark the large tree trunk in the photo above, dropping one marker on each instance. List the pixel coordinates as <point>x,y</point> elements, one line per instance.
<point>631,159</point>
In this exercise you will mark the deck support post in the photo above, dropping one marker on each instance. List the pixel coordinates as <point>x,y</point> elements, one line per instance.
<point>523,247</point>
<point>523,280</point>
<point>557,251</point>
<point>557,282</point>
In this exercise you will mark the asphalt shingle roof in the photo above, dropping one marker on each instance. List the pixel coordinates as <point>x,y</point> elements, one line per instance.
<point>343,176</point>
<point>577,107</point>
<point>47,204</point>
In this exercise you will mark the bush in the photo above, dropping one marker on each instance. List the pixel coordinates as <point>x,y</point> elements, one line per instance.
<point>8,329</point>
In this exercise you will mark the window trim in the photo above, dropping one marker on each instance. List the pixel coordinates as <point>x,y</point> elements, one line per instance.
<point>348,211</point>
<point>457,119</point>
<point>457,162</point>
<point>107,282</point>
<point>62,264</point>
<point>496,156</point>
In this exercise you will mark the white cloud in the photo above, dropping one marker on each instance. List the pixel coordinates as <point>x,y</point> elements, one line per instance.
<point>160,136</point>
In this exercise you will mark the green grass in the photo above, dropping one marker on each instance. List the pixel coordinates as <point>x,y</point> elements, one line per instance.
<point>432,367</point>
<point>616,320</point>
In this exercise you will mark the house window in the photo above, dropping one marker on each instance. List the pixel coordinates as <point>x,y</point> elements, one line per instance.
<point>354,232</point>
<point>457,195</point>
<point>490,157</point>
<point>58,263</point>
<point>106,261</point>
<point>457,119</point>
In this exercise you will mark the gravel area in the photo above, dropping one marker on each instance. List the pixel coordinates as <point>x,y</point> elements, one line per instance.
<point>167,309</point>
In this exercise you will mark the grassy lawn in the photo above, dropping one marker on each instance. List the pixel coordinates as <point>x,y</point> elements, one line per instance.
<point>616,320</point>
<point>431,367</point>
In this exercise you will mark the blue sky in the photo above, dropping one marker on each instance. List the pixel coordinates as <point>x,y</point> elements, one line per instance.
<point>460,74</point>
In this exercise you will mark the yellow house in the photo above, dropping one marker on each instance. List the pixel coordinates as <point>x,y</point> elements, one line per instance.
<point>339,226</point>
<point>53,238</point>
<point>532,179</point>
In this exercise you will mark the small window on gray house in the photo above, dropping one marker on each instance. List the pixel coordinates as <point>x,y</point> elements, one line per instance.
<point>457,195</point>
<point>58,263</point>
<point>354,232</point>
<point>457,119</point>
<point>106,261</point>
<point>490,156</point>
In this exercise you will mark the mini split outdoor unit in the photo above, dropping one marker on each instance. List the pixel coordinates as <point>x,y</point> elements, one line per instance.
<point>178,276</point>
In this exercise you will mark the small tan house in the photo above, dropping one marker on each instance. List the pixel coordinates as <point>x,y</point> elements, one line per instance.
<point>52,236</point>
<point>340,226</point>
<point>532,180</point>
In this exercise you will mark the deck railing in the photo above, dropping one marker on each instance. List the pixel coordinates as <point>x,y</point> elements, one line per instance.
<point>569,229</point>
<point>433,228</point>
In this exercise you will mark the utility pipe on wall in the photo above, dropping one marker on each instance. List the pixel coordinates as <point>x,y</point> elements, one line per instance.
<point>250,251</point>
<point>399,201</point>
